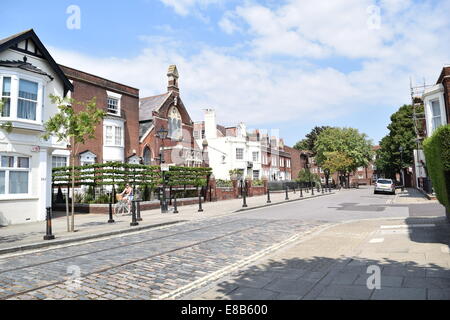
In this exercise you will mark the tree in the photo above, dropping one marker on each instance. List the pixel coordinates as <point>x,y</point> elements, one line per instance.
<point>353,148</point>
<point>401,134</point>
<point>74,128</point>
<point>306,176</point>
<point>310,141</point>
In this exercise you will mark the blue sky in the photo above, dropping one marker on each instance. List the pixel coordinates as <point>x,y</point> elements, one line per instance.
<point>287,65</point>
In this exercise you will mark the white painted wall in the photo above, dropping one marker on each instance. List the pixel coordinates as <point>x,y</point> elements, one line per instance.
<point>431,94</point>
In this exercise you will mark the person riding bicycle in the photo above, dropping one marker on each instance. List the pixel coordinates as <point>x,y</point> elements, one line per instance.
<point>127,194</point>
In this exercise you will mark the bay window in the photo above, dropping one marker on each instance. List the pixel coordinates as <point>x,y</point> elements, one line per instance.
<point>113,136</point>
<point>14,175</point>
<point>21,97</point>
<point>436,121</point>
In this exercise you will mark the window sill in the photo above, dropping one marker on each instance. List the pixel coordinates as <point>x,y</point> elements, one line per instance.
<point>11,197</point>
<point>24,124</point>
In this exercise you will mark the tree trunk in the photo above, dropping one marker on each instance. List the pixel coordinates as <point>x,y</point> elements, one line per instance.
<point>67,207</point>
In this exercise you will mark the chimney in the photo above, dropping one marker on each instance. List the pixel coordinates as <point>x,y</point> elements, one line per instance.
<point>172,75</point>
<point>210,124</point>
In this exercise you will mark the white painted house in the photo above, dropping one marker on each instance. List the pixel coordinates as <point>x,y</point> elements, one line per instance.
<point>28,75</point>
<point>229,148</point>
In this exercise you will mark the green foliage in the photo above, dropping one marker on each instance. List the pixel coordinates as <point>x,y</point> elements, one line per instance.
<point>348,143</point>
<point>236,173</point>
<point>437,154</point>
<point>257,183</point>
<point>309,142</point>
<point>401,134</point>
<point>306,176</point>
<point>337,161</point>
<point>224,183</point>
<point>118,174</point>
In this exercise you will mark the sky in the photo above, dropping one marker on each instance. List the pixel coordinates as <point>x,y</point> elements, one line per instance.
<point>276,65</point>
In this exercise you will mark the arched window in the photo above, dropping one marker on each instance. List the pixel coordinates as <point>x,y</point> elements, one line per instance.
<point>147,156</point>
<point>174,119</point>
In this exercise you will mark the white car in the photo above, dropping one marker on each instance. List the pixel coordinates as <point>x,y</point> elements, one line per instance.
<point>384,185</point>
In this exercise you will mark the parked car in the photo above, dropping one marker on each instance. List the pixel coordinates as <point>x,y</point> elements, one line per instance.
<point>385,186</point>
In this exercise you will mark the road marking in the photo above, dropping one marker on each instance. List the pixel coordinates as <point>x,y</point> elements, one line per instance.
<point>377,240</point>
<point>399,226</point>
<point>399,231</point>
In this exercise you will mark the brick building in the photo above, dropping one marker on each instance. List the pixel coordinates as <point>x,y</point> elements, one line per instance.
<point>276,160</point>
<point>116,137</point>
<point>298,161</point>
<point>167,111</point>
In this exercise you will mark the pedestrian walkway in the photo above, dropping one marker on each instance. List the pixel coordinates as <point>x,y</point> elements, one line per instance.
<point>411,196</point>
<point>373,259</point>
<point>88,226</point>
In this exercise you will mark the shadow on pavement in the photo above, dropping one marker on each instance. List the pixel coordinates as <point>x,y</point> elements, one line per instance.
<point>438,234</point>
<point>331,279</point>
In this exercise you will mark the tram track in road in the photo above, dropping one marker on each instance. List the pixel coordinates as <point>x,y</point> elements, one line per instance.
<point>110,248</point>
<point>140,259</point>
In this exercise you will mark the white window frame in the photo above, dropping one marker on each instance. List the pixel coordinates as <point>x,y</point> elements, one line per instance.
<point>15,168</point>
<point>433,116</point>
<point>240,158</point>
<point>255,156</point>
<point>115,96</point>
<point>113,136</point>
<point>14,96</point>
<point>59,156</point>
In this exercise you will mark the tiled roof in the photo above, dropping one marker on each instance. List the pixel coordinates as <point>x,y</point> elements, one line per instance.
<point>24,66</point>
<point>147,105</point>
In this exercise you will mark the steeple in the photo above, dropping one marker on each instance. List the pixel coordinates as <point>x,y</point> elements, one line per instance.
<point>172,75</point>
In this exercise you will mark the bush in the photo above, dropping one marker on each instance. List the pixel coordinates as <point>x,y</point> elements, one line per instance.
<point>257,183</point>
<point>224,183</point>
<point>437,154</point>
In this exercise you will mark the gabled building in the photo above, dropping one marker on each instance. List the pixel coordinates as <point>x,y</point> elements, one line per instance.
<point>28,75</point>
<point>168,111</point>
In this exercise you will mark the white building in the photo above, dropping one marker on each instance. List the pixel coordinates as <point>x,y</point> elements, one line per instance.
<point>28,75</point>
<point>229,148</point>
<point>434,105</point>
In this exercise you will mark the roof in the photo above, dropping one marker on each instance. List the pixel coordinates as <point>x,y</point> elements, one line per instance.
<point>24,66</point>
<point>149,104</point>
<point>13,40</point>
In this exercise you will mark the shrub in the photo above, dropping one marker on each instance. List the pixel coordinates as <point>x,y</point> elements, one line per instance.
<point>257,183</point>
<point>224,183</point>
<point>437,154</point>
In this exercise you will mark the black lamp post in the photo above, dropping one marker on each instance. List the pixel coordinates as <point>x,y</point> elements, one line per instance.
<point>402,173</point>
<point>162,134</point>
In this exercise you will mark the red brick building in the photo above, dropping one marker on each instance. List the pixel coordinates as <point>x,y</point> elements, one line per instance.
<point>117,136</point>
<point>167,111</point>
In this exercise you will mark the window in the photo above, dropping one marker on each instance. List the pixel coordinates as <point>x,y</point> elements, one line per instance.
<point>113,136</point>
<point>113,106</point>
<point>14,174</point>
<point>239,154</point>
<point>58,162</point>
<point>255,156</point>
<point>255,174</point>
<point>147,156</point>
<point>436,115</point>
<point>26,107</point>
<point>6,96</point>
<point>174,119</point>
<point>288,163</point>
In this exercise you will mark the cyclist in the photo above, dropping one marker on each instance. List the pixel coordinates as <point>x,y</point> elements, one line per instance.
<point>127,194</point>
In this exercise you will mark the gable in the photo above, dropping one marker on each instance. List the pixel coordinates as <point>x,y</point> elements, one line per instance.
<point>28,42</point>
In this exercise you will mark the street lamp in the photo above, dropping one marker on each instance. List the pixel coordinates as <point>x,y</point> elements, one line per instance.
<point>162,134</point>
<point>401,168</point>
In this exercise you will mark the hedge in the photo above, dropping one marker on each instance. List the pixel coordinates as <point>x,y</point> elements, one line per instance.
<point>437,155</point>
<point>117,173</point>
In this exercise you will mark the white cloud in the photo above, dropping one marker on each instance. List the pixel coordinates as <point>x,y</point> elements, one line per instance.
<point>185,7</point>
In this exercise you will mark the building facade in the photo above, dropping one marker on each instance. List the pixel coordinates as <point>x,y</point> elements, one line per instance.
<point>28,75</point>
<point>117,136</point>
<point>167,111</point>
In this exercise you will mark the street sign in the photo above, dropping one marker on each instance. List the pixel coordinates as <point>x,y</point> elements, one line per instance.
<point>164,167</point>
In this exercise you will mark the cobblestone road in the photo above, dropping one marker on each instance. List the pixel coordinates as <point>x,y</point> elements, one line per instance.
<point>145,265</point>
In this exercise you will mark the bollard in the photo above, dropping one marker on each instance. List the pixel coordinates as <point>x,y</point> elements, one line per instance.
<point>322,190</point>
<point>138,209</point>
<point>301,192</point>
<point>244,196</point>
<point>294,189</point>
<point>312,190</point>
<point>133,214</point>
<point>111,220</point>
<point>175,207</point>
<point>48,233</point>
<point>268,195</point>
<point>287,196</point>
<point>200,209</point>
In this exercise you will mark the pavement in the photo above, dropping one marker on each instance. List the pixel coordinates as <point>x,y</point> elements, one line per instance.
<point>319,248</point>
<point>29,236</point>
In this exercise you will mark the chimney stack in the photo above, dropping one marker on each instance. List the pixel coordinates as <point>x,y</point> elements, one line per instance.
<point>210,124</point>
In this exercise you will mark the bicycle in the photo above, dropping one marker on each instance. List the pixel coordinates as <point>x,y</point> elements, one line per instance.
<point>121,207</point>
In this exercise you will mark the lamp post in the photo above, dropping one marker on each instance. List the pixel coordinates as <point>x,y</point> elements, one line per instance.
<point>402,173</point>
<point>162,134</point>
<point>327,177</point>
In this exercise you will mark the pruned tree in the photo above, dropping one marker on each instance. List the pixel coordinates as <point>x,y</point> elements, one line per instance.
<point>75,128</point>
